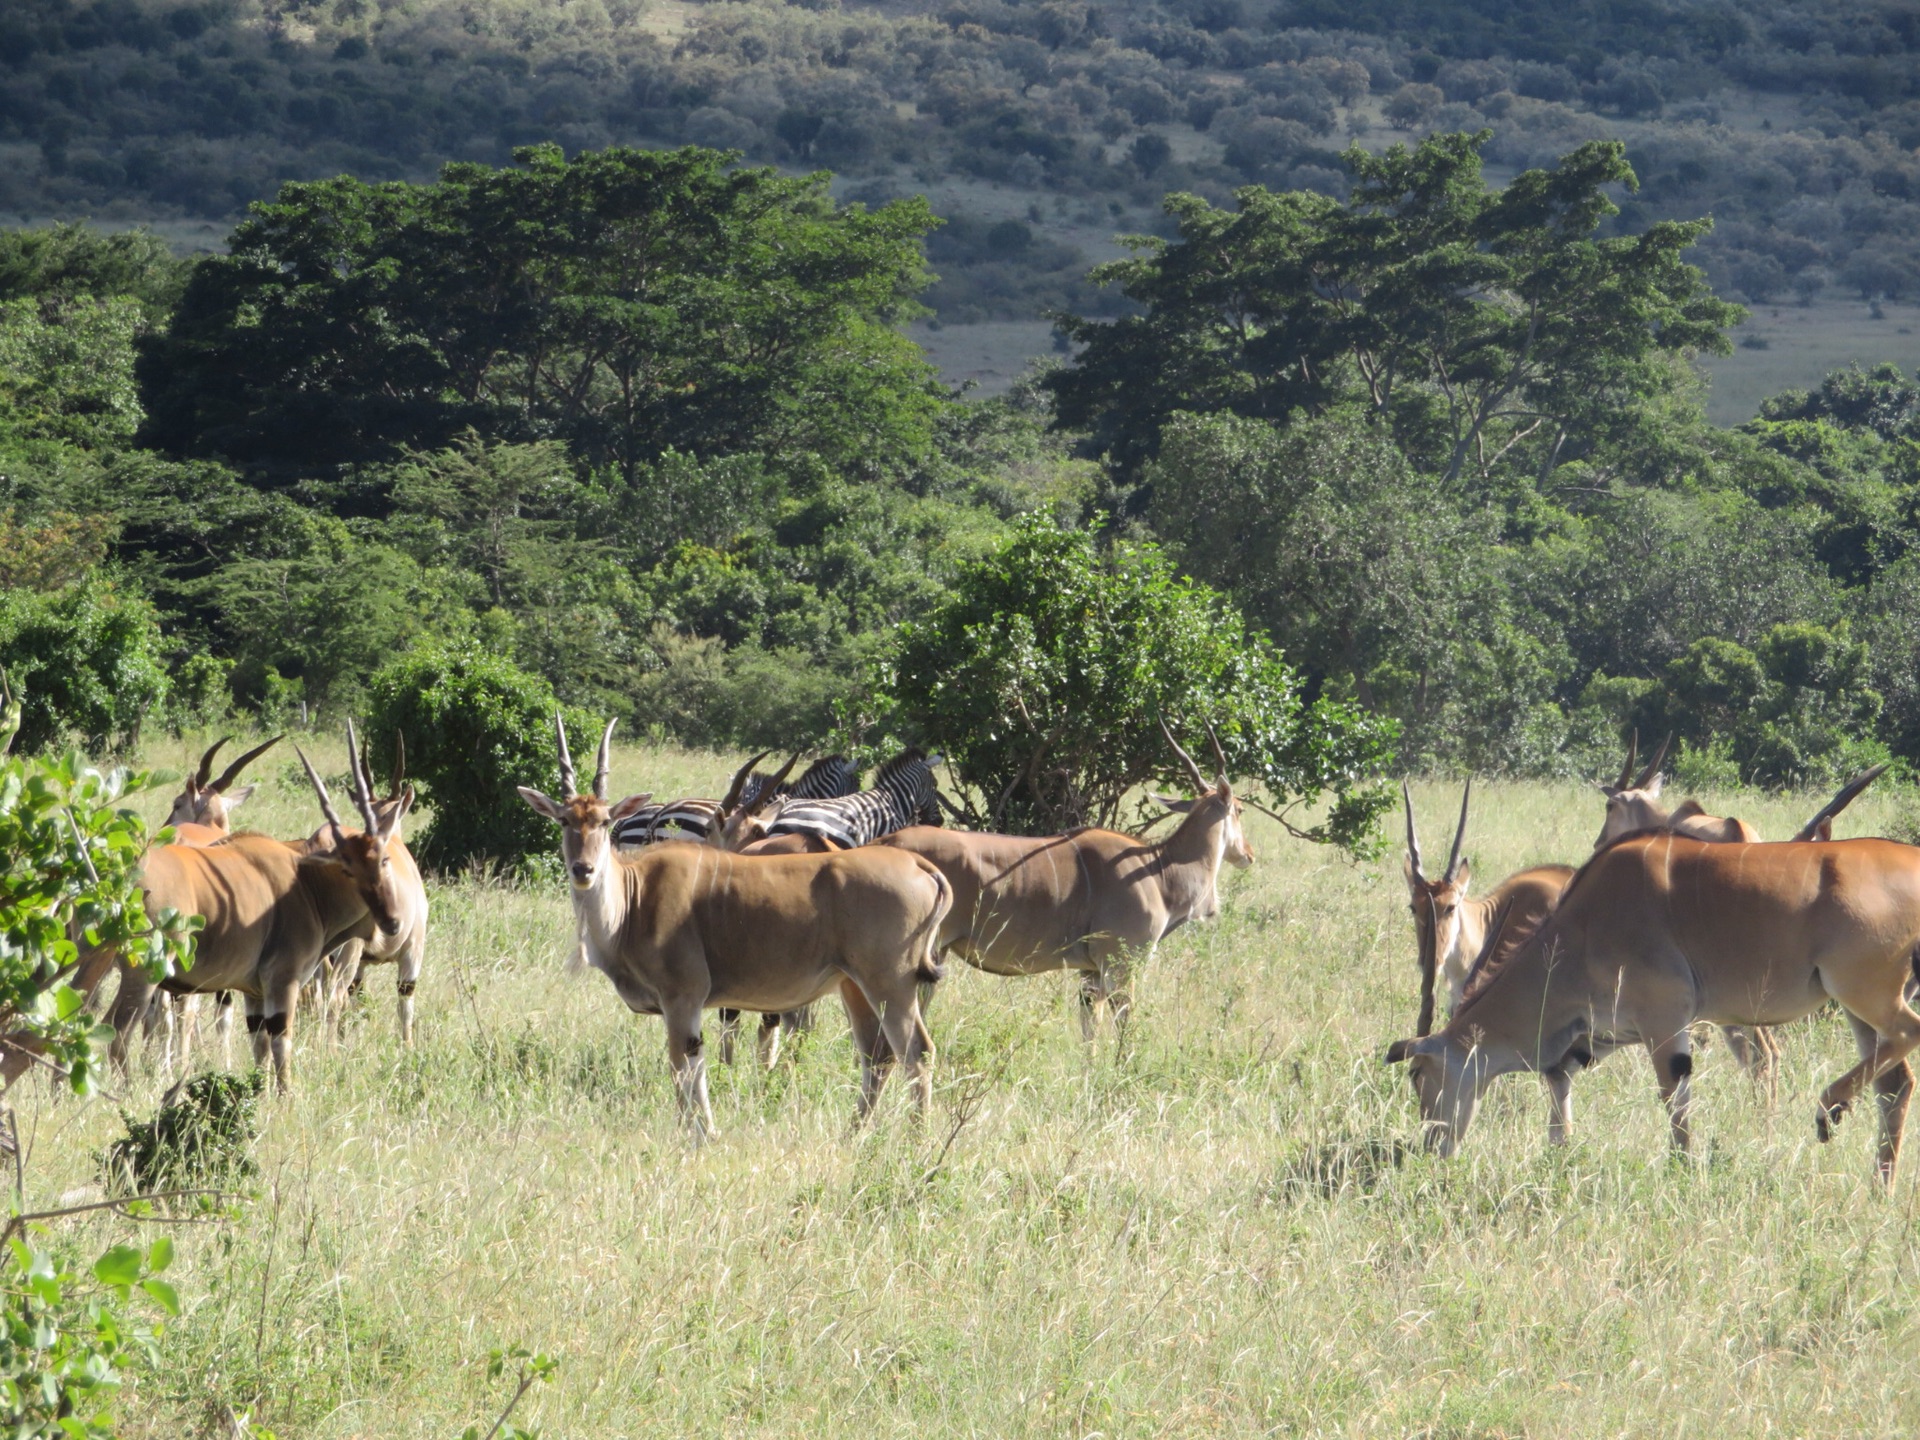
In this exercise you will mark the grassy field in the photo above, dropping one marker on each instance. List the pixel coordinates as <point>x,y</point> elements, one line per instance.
<point>1199,1231</point>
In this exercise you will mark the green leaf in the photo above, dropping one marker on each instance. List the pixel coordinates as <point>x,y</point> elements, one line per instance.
<point>167,1297</point>
<point>160,1254</point>
<point>119,1266</point>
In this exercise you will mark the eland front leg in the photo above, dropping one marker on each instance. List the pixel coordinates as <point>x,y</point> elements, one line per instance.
<point>687,1057</point>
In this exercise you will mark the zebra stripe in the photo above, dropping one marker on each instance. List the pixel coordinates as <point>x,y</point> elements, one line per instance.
<point>692,819</point>
<point>902,795</point>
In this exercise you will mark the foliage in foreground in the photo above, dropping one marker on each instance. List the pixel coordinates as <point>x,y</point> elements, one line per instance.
<point>66,1340</point>
<point>1046,673</point>
<point>69,868</point>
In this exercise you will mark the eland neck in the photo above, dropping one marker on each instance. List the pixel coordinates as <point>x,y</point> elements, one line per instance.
<point>601,908</point>
<point>1189,862</point>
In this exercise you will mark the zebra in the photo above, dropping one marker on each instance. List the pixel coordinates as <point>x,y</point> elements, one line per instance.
<point>903,794</point>
<point>692,819</point>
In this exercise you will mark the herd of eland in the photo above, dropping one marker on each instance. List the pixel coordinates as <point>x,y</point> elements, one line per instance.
<point>779,894</point>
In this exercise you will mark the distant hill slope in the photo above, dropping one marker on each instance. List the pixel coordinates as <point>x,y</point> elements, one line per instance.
<point>1040,128</point>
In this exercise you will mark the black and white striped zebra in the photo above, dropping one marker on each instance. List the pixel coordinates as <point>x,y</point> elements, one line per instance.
<point>692,819</point>
<point>903,794</point>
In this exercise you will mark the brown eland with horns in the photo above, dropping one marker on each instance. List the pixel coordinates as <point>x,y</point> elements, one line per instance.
<point>1091,900</point>
<point>271,910</point>
<point>203,810</point>
<point>680,929</point>
<point>1659,930</point>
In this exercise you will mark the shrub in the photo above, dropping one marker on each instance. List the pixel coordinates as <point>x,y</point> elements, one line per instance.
<point>1788,711</point>
<point>69,867</point>
<point>702,693</point>
<point>476,727</point>
<point>203,1140</point>
<point>64,1344</point>
<point>1044,676</point>
<point>88,658</point>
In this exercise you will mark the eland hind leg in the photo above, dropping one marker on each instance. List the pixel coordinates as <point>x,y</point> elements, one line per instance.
<point>1673,1066</point>
<point>1894,1091</point>
<point>869,1043</point>
<point>907,1035</point>
<point>1758,1051</point>
<point>1896,1031</point>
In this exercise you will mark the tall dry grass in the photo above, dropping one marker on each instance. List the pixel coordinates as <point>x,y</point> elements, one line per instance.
<point>1204,1230</point>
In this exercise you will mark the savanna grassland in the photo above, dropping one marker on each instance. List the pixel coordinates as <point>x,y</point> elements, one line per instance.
<point>1199,1230</point>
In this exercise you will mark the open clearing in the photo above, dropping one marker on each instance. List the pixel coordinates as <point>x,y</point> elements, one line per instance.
<point>1201,1231</point>
<point>1802,343</point>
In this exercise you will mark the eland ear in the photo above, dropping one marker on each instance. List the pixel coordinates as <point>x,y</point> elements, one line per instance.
<point>392,815</point>
<point>1464,876</point>
<point>1406,1049</point>
<point>627,806</point>
<point>1178,807</point>
<point>539,802</point>
<point>239,797</point>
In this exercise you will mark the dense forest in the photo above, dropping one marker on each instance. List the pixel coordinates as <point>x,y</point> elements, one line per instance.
<point>1791,123</point>
<point>642,423</point>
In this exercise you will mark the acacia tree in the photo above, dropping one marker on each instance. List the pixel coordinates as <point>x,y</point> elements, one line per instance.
<point>1045,674</point>
<point>627,301</point>
<point>1487,327</point>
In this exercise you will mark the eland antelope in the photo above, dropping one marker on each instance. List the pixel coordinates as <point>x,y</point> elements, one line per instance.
<point>271,911</point>
<point>768,821</point>
<point>1659,930</point>
<point>201,814</point>
<point>1633,804</point>
<point>1092,901</point>
<point>404,948</point>
<point>680,929</point>
<point>203,810</point>
<point>1449,929</point>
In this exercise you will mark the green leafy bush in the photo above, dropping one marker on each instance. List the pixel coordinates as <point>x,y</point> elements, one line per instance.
<point>65,1345</point>
<point>88,657</point>
<point>202,1140</point>
<point>1044,675</point>
<point>1796,709</point>
<point>476,726</point>
<point>69,867</point>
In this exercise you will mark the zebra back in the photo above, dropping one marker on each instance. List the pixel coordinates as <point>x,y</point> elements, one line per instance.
<point>693,819</point>
<point>902,794</point>
<point>672,820</point>
<point>827,777</point>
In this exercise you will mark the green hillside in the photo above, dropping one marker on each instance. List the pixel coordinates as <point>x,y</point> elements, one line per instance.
<point>1039,130</point>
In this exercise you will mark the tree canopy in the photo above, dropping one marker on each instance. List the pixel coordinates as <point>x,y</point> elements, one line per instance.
<point>1488,329</point>
<point>626,301</point>
<point>1046,673</point>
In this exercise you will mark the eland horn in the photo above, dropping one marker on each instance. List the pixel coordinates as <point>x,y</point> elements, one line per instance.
<point>1626,769</point>
<point>569,782</point>
<point>1653,765</point>
<point>1199,780</point>
<point>603,762</point>
<point>1413,840</point>
<point>232,772</point>
<point>1460,834</point>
